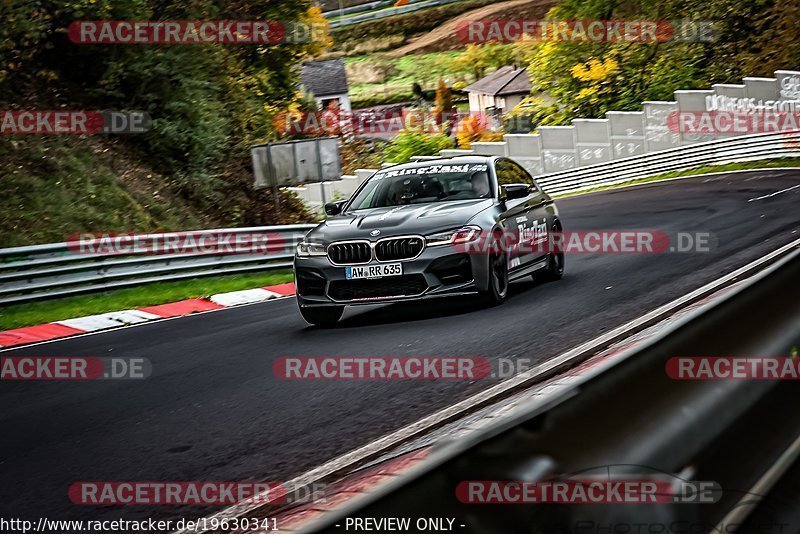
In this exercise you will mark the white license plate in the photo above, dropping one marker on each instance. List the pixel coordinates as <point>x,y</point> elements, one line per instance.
<point>373,271</point>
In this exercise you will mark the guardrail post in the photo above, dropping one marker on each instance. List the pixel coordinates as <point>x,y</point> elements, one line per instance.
<point>762,88</point>
<point>558,148</point>
<point>490,148</point>
<point>626,133</point>
<point>789,86</point>
<point>726,96</point>
<point>657,133</point>
<point>526,149</point>
<point>693,101</point>
<point>453,152</point>
<point>592,141</point>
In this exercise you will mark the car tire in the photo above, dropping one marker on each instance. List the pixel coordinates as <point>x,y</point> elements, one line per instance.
<point>325,316</point>
<point>555,263</point>
<point>497,291</point>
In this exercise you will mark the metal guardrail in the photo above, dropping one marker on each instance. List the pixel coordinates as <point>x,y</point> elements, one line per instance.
<point>357,9</point>
<point>742,148</point>
<point>632,418</point>
<point>56,270</point>
<point>388,12</point>
<point>62,269</point>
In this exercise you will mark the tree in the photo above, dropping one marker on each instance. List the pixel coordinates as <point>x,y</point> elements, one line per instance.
<point>475,128</point>
<point>319,31</point>
<point>777,48</point>
<point>208,102</point>
<point>408,144</point>
<point>472,60</point>
<point>443,107</point>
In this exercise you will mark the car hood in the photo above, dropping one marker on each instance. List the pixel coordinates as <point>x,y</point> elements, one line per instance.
<point>422,219</point>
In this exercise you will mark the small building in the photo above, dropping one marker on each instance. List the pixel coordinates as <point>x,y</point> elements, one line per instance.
<point>327,81</point>
<point>501,90</point>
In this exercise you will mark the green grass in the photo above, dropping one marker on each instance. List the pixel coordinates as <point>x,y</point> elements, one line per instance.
<point>706,169</point>
<point>55,187</point>
<point>425,69</point>
<point>19,315</point>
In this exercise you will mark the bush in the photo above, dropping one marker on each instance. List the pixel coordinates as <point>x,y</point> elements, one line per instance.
<point>475,128</point>
<point>377,98</point>
<point>408,144</point>
<point>528,115</point>
<point>208,103</point>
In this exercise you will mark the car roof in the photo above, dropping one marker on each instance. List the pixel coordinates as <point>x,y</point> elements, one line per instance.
<point>441,161</point>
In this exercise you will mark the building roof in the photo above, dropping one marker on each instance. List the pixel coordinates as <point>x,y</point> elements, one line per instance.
<point>508,80</point>
<point>324,78</point>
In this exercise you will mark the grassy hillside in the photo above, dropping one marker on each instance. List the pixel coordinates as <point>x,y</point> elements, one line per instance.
<point>209,103</point>
<point>60,185</point>
<point>383,34</point>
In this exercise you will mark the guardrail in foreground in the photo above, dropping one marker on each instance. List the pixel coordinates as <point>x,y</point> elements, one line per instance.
<point>60,269</point>
<point>628,420</point>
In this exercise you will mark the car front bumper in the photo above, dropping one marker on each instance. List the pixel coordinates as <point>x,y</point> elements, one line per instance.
<point>437,271</point>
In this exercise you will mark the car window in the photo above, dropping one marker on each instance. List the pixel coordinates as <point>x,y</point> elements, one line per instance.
<point>504,175</point>
<point>424,184</point>
<point>509,172</point>
<point>524,175</point>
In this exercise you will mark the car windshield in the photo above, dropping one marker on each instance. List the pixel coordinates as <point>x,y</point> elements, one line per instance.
<point>424,184</point>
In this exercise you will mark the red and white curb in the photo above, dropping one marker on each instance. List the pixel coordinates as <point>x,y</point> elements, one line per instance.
<point>106,321</point>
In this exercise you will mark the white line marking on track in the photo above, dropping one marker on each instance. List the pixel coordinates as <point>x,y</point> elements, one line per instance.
<point>775,193</point>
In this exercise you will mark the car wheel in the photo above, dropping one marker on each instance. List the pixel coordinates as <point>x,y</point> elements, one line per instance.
<point>322,315</point>
<point>555,263</point>
<point>498,279</point>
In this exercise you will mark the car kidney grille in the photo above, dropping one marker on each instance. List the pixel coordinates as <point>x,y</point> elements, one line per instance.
<point>395,286</point>
<point>349,253</point>
<point>402,248</point>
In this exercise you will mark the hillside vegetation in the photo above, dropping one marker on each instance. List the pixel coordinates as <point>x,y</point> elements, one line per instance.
<point>749,38</point>
<point>209,103</point>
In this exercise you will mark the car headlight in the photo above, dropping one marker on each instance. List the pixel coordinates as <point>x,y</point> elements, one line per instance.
<point>465,234</point>
<point>310,248</point>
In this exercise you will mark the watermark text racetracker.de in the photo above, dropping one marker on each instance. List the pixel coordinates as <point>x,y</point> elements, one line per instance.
<point>74,368</point>
<point>727,122</point>
<point>176,493</point>
<point>534,237</point>
<point>586,31</point>
<point>588,490</point>
<point>73,122</point>
<point>703,368</point>
<point>425,368</point>
<point>195,32</point>
<point>195,242</point>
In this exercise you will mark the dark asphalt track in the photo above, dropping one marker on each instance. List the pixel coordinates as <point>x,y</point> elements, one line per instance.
<point>214,411</point>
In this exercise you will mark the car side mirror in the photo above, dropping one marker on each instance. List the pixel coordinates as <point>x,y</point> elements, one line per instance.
<point>334,208</point>
<point>513,191</point>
